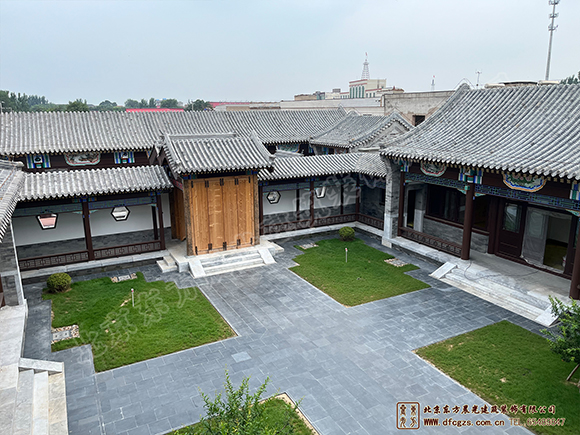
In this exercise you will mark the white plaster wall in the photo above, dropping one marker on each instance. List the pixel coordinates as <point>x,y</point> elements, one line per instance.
<point>166,210</point>
<point>349,194</point>
<point>140,218</point>
<point>287,201</point>
<point>27,230</point>
<point>286,204</point>
<point>304,199</point>
<point>331,199</point>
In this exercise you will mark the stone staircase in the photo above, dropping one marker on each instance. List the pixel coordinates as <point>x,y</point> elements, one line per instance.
<point>500,291</point>
<point>33,392</point>
<point>219,262</point>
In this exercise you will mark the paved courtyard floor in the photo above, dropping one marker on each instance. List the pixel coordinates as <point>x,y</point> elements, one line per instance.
<point>350,366</point>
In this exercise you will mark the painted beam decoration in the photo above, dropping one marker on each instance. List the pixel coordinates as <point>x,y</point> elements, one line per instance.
<point>575,191</point>
<point>38,161</point>
<point>470,175</point>
<point>293,148</point>
<point>405,165</point>
<point>433,169</point>
<point>124,157</point>
<point>526,183</point>
<point>82,159</point>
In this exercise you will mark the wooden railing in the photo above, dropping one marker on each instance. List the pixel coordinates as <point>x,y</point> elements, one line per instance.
<point>131,249</point>
<point>53,260</point>
<point>283,227</point>
<point>81,256</point>
<point>334,220</point>
<point>371,221</point>
<point>432,241</point>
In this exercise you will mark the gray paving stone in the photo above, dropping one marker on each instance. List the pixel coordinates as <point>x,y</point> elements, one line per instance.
<point>349,365</point>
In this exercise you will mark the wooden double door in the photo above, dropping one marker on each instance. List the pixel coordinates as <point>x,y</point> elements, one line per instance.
<point>549,234</point>
<point>221,213</point>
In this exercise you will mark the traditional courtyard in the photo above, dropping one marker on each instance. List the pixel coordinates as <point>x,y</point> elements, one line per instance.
<point>349,365</point>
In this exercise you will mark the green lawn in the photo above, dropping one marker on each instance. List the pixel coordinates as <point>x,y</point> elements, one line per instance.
<point>364,278</point>
<point>276,414</point>
<point>506,364</point>
<point>165,319</point>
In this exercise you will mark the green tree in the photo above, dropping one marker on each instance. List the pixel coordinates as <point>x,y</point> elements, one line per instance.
<point>169,103</point>
<point>198,105</point>
<point>50,107</point>
<point>566,343</point>
<point>107,105</point>
<point>143,104</point>
<point>14,102</point>
<point>35,100</point>
<point>77,106</point>
<point>572,80</point>
<point>152,104</point>
<point>132,104</point>
<point>240,412</point>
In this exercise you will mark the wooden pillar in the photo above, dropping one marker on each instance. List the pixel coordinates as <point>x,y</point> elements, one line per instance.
<point>312,203</point>
<point>357,197</point>
<point>173,213</point>
<point>154,219</point>
<point>575,284</point>
<point>261,208</point>
<point>341,198</point>
<point>492,227</point>
<point>467,222</point>
<point>297,204</point>
<point>401,219</point>
<point>87,227</point>
<point>189,232</point>
<point>161,226</point>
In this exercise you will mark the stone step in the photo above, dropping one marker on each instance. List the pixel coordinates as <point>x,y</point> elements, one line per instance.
<point>443,270</point>
<point>22,423</point>
<point>39,365</point>
<point>495,293</point>
<point>233,266</point>
<point>229,259</point>
<point>266,256</point>
<point>167,264</point>
<point>57,414</point>
<point>511,288</point>
<point>40,404</point>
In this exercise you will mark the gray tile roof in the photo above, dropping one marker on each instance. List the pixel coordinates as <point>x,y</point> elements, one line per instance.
<point>284,126</point>
<point>58,132</point>
<point>63,184</point>
<point>332,164</point>
<point>11,180</point>
<point>356,130</point>
<point>216,154</point>
<point>532,130</point>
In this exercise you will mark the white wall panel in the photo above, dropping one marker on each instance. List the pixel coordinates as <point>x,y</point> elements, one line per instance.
<point>27,230</point>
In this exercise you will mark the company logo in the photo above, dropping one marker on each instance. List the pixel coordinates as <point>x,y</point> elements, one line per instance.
<point>408,414</point>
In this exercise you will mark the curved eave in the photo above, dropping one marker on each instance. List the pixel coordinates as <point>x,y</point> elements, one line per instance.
<point>564,174</point>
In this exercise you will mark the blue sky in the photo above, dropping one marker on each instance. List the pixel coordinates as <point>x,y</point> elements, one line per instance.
<point>271,50</point>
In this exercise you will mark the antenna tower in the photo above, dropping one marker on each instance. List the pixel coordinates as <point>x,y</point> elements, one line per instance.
<point>433,84</point>
<point>551,29</point>
<point>365,74</point>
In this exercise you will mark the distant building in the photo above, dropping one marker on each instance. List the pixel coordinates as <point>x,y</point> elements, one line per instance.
<point>366,88</point>
<point>415,107</point>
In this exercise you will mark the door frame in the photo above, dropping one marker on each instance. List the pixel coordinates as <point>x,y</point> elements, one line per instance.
<point>500,231</point>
